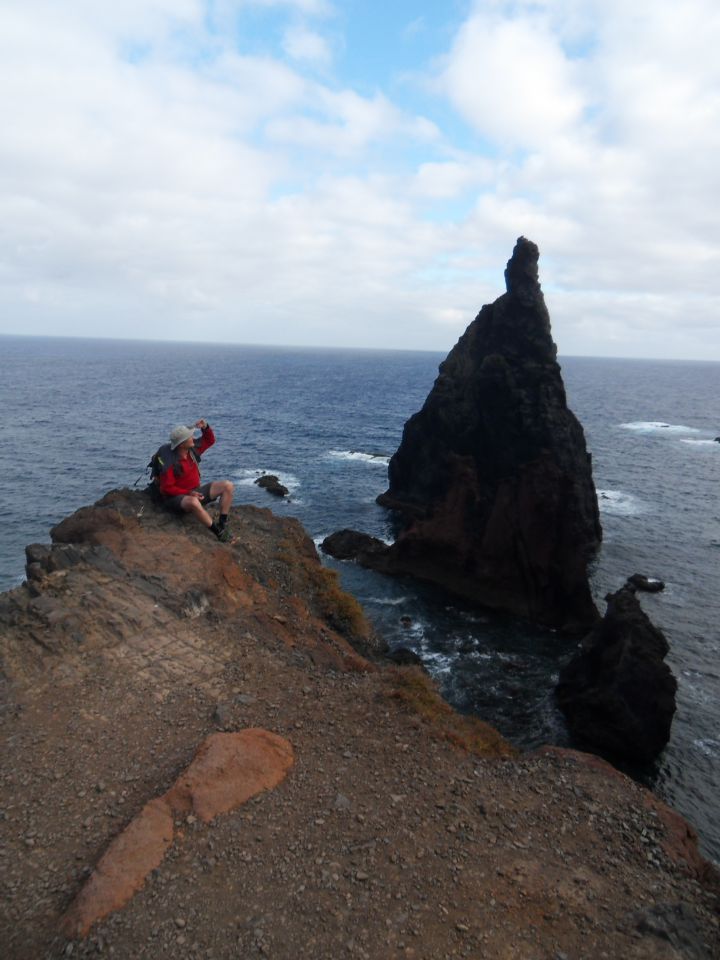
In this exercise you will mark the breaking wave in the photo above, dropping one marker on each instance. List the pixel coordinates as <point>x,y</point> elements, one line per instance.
<point>658,426</point>
<point>619,504</point>
<point>380,459</point>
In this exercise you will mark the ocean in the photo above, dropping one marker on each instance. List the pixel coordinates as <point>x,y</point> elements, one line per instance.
<point>84,416</point>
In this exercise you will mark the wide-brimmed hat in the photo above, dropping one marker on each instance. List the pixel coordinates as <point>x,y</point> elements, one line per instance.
<point>179,434</point>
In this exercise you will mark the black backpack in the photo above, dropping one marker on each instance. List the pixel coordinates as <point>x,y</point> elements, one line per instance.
<point>164,459</point>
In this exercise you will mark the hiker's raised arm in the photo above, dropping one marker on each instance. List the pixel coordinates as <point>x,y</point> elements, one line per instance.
<point>207,439</point>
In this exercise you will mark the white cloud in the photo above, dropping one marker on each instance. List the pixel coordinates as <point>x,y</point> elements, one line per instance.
<point>305,45</point>
<point>454,317</point>
<point>156,182</point>
<point>511,80</point>
<point>618,181</point>
<point>452,178</point>
<point>349,123</point>
<point>90,25</point>
<point>139,199</point>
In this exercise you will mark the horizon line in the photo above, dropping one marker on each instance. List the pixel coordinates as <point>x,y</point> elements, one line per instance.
<point>325,347</point>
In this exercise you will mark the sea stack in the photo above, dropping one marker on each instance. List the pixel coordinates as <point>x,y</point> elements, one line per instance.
<point>617,693</point>
<point>492,481</point>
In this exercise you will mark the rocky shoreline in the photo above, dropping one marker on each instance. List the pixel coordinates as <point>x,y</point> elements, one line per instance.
<point>398,830</point>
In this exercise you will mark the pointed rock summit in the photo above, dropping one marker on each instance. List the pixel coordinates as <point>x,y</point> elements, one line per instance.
<point>492,481</point>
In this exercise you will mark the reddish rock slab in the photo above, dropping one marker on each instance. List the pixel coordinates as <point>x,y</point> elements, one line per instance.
<point>227,770</point>
<point>123,867</point>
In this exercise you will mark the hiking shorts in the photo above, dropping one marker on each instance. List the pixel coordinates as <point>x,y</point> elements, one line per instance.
<point>174,503</point>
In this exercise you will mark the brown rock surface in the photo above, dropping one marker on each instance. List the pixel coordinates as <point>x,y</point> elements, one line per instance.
<point>402,832</point>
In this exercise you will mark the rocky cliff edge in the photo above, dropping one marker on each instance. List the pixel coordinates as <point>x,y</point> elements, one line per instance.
<point>335,806</point>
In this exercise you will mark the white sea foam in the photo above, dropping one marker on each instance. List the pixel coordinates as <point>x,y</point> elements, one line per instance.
<point>700,443</point>
<point>374,458</point>
<point>437,663</point>
<point>387,601</point>
<point>658,426</point>
<point>619,504</point>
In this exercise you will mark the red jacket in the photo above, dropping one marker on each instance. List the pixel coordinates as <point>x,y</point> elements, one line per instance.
<point>184,476</point>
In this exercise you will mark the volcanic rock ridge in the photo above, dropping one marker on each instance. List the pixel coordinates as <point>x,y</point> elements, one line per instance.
<point>205,754</point>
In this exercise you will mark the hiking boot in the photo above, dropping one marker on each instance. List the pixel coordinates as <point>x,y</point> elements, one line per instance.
<point>225,536</point>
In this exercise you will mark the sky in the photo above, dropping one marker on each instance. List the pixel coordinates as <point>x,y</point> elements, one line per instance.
<point>355,173</point>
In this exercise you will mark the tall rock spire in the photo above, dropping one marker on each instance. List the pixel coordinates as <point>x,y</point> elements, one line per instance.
<point>492,480</point>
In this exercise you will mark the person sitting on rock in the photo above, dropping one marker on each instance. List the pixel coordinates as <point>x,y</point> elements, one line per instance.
<point>179,479</point>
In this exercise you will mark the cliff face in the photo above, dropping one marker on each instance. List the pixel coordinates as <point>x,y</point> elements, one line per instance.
<point>203,757</point>
<point>492,479</point>
<point>123,581</point>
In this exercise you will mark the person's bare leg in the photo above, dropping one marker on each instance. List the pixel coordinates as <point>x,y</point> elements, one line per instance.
<point>194,506</point>
<point>223,489</point>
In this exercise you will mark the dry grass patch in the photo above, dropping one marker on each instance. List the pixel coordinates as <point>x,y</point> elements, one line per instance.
<point>418,694</point>
<point>325,595</point>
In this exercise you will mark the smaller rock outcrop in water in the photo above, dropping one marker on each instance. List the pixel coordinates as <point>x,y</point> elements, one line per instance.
<point>649,584</point>
<point>271,483</point>
<point>618,694</point>
<point>352,545</point>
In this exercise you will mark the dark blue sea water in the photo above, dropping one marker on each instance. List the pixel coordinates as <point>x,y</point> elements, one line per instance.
<point>82,417</point>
